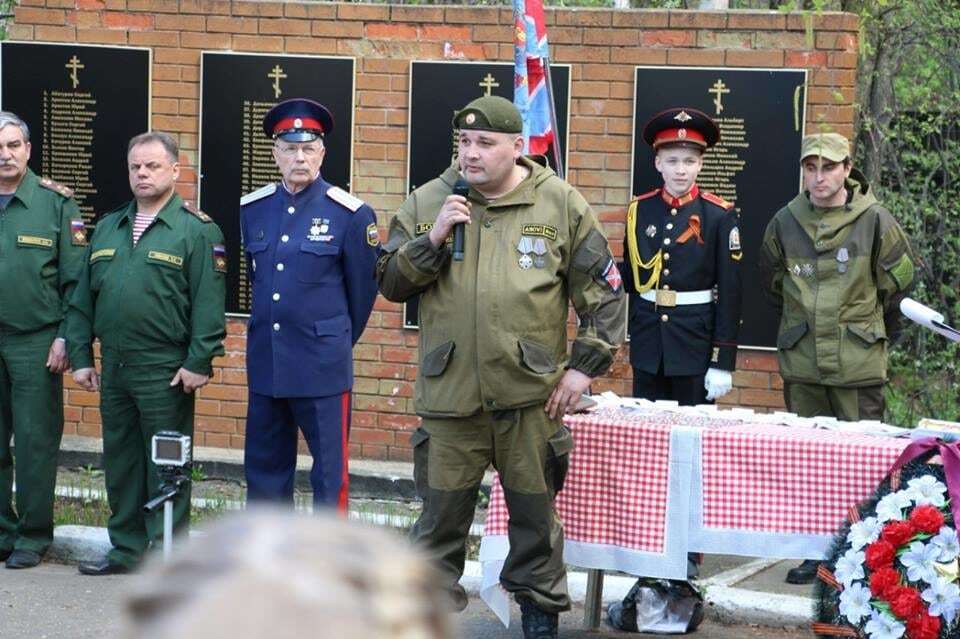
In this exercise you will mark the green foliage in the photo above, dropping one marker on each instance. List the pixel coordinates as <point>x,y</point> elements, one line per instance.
<point>196,473</point>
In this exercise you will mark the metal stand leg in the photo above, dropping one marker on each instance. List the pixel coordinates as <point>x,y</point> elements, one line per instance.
<point>167,530</point>
<point>593,604</point>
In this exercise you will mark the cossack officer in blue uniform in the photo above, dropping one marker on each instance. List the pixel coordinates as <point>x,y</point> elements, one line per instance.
<point>311,250</point>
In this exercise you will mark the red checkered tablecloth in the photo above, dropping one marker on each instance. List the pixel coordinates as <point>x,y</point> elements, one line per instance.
<point>616,489</point>
<point>781,479</point>
<point>756,477</point>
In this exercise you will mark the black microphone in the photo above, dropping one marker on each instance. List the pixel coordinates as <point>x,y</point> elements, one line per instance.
<point>460,188</point>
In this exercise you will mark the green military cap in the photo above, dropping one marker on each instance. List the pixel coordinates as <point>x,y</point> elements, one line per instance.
<point>830,146</point>
<point>489,113</point>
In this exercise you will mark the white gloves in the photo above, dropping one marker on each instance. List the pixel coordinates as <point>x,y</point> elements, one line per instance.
<point>717,382</point>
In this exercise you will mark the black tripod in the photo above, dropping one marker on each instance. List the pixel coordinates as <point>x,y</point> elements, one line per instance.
<point>172,479</point>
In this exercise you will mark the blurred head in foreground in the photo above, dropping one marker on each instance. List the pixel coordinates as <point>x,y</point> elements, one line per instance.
<point>285,576</point>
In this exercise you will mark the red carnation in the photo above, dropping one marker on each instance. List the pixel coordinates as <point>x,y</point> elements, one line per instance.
<point>880,554</point>
<point>898,532</point>
<point>883,582</point>
<point>927,519</point>
<point>905,602</point>
<point>923,626</point>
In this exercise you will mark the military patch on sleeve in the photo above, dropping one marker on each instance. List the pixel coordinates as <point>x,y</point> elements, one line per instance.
<point>611,275</point>
<point>735,239</point>
<point>78,233</point>
<point>541,230</point>
<point>902,271</point>
<point>715,356</point>
<point>220,258</point>
<point>373,235</point>
<point>344,199</point>
<point>423,227</point>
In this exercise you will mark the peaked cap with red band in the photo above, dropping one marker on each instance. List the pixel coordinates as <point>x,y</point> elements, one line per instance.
<point>297,120</point>
<point>682,126</point>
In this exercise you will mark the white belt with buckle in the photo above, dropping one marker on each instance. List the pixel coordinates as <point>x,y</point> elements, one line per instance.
<point>662,297</point>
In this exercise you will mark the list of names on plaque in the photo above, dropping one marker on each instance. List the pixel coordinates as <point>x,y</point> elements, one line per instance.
<point>67,132</point>
<point>754,166</point>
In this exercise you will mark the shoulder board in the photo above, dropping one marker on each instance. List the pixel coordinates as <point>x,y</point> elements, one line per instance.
<point>343,198</point>
<point>56,187</point>
<point>716,199</point>
<point>259,194</point>
<point>647,195</point>
<point>197,213</point>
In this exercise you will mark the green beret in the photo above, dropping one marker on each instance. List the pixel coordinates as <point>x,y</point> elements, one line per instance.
<point>489,113</point>
<point>830,146</point>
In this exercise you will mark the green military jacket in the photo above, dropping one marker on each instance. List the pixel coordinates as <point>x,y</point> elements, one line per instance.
<point>160,302</point>
<point>42,244</point>
<point>493,328</point>
<point>838,276</point>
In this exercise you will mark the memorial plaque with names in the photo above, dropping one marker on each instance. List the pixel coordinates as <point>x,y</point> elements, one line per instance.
<point>437,89</point>
<point>756,164</point>
<point>81,112</point>
<point>235,156</point>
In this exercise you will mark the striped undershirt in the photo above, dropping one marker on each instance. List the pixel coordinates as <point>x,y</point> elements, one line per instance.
<point>140,224</point>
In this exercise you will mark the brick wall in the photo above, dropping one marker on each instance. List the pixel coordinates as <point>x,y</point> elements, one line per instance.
<point>602,46</point>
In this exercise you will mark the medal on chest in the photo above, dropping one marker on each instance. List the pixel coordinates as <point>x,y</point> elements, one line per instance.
<point>318,230</point>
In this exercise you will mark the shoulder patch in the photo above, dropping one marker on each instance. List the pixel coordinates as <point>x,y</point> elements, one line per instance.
<point>716,199</point>
<point>56,187</point>
<point>344,199</point>
<point>647,195</point>
<point>197,213</point>
<point>259,194</point>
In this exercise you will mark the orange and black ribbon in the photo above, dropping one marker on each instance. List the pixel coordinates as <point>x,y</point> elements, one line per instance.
<point>693,229</point>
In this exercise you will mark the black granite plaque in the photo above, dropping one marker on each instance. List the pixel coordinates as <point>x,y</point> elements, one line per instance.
<point>756,165</point>
<point>235,155</point>
<point>437,89</point>
<point>82,104</point>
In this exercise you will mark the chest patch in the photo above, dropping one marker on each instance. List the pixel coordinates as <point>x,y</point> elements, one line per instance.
<point>423,227</point>
<point>166,258</point>
<point>540,230</point>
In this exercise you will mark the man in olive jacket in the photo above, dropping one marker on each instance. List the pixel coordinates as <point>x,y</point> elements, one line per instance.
<point>42,244</point>
<point>495,377</point>
<point>837,264</point>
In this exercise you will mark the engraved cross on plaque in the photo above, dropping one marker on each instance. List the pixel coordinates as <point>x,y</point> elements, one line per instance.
<point>74,66</point>
<point>276,74</point>
<point>719,88</point>
<point>488,83</point>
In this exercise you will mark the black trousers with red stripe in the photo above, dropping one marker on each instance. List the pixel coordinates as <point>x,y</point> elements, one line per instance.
<point>270,456</point>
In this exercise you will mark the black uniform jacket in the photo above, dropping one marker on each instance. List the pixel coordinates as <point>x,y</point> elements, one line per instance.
<point>699,240</point>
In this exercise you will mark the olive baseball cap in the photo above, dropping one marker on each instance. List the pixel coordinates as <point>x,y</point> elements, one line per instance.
<point>830,146</point>
<point>489,113</point>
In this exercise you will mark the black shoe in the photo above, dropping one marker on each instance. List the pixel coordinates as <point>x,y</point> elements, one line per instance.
<point>23,559</point>
<point>805,573</point>
<point>5,552</point>
<point>536,622</point>
<point>102,567</point>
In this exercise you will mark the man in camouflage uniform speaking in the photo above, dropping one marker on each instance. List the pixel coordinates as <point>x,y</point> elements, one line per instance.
<point>42,244</point>
<point>495,377</point>
<point>837,264</point>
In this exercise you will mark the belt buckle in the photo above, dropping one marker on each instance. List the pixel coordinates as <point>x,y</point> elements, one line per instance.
<point>666,298</point>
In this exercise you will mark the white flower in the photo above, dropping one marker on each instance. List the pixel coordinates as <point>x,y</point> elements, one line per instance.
<point>864,532</point>
<point>919,560</point>
<point>892,506</point>
<point>855,602</point>
<point>946,542</point>
<point>883,626</point>
<point>944,599</point>
<point>927,490</point>
<point>849,567</point>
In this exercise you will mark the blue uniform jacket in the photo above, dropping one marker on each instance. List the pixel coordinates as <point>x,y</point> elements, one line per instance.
<point>310,261</point>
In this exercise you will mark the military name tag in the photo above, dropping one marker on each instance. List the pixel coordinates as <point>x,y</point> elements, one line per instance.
<point>159,256</point>
<point>540,230</point>
<point>102,254</point>
<point>32,240</point>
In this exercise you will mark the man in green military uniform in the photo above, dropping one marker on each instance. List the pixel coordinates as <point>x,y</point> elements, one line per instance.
<point>837,264</point>
<point>152,290</point>
<point>42,244</point>
<point>495,377</point>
